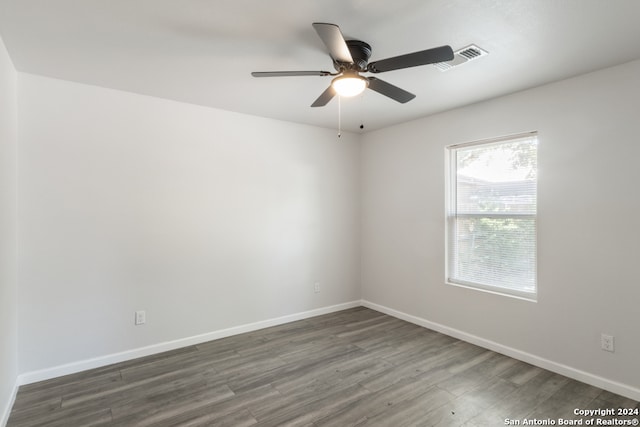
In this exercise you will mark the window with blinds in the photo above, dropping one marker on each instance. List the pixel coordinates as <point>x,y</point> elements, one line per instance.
<point>491,215</point>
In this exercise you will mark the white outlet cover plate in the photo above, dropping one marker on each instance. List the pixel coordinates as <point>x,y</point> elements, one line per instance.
<point>141,317</point>
<point>606,342</point>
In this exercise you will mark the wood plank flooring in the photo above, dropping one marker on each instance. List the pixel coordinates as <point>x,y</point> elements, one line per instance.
<point>352,368</point>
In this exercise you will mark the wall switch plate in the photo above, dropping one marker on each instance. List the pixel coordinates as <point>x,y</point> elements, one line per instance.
<point>316,287</point>
<point>606,342</point>
<point>141,317</point>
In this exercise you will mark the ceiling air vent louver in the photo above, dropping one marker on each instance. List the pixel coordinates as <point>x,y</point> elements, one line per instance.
<point>470,52</point>
<point>462,56</point>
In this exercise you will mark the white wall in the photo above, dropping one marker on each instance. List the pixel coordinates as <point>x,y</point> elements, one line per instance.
<point>206,219</point>
<point>8,243</point>
<point>589,239</point>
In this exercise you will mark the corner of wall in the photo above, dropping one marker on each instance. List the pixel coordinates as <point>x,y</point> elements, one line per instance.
<point>8,227</point>
<point>6,411</point>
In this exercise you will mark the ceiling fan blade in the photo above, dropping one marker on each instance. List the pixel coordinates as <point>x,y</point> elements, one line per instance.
<point>289,73</point>
<point>332,38</point>
<point>387,89</point>
<point>424,57</point>
<point>325,97</point>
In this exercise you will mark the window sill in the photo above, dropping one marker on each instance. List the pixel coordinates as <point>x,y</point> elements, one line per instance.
<point>525,296</point>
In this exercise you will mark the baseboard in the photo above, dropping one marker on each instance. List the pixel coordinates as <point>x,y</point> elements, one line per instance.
<point>559,368</point>
<point>7,409</point>
<point>97,362</point>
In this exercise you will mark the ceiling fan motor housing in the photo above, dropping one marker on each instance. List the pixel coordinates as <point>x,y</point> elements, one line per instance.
<point>360,52</point>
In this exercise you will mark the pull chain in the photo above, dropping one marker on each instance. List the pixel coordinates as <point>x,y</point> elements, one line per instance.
<point>339,117</point>
<point>362,111</point>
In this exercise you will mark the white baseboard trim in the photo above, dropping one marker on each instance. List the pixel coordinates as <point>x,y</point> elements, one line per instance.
<point>7,409</point>
<point>559,368</point>
<point>97,362</point>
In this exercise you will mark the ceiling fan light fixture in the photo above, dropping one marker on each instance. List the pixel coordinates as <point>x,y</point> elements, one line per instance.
<point>351,57</point>
<point>349,84</point>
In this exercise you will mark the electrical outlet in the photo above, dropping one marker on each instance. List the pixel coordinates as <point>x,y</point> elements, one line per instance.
<point>141,317</point>
<point>606,342</point>
<point>316,287</point>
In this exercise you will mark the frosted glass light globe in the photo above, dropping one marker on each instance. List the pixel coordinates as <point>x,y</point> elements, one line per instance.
<point>350,84</point>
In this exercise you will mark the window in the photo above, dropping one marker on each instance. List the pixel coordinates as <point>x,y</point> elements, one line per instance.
<point>491,215</point>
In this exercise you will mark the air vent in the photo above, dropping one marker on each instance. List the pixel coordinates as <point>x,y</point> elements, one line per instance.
<point>471,52</point>
<point>462,56</point>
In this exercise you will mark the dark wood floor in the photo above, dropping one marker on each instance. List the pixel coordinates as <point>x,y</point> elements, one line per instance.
<point>355,367</point>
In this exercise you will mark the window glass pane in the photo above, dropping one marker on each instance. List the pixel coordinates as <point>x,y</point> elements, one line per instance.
<point>499,177</point>
<point>496,252</point>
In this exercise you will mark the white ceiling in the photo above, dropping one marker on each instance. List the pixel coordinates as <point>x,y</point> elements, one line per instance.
<point>203,51</point>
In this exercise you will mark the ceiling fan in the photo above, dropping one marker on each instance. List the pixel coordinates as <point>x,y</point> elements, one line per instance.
<point>350,59</point>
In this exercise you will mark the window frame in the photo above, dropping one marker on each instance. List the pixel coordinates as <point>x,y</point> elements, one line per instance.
<point>451,215</point>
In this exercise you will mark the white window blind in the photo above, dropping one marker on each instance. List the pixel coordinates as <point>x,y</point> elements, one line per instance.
<point>491,215</point>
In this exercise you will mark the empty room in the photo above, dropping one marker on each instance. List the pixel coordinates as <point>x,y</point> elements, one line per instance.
<point>337,213</point>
